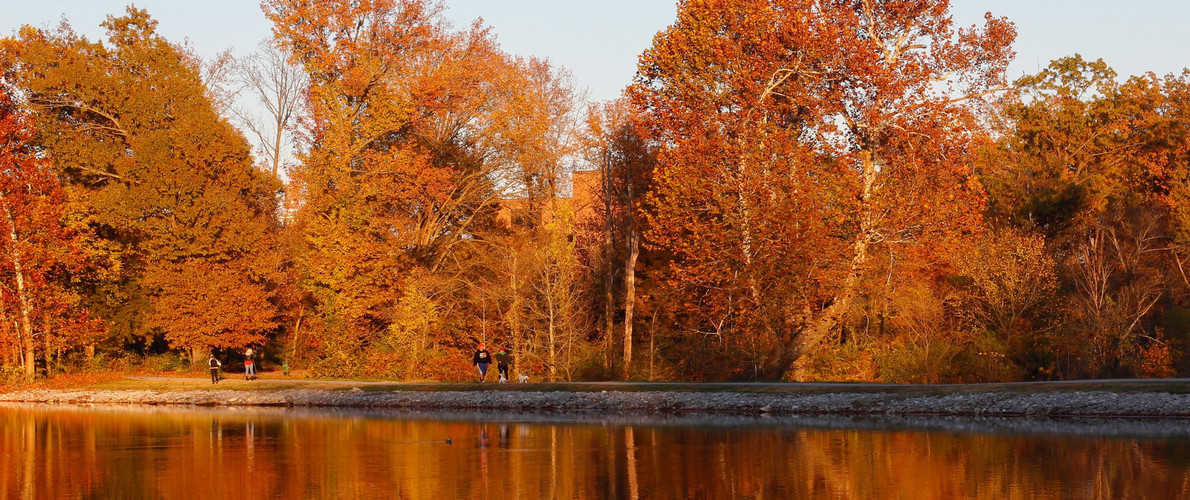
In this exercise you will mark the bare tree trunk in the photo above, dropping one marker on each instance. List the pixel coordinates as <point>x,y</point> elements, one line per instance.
<point>609,311</point>
<point>553,348</point>
<point>29,359</point>
<point>609,293</point>
<point>280,124</point>
<point>48,353</point>
<point>514,318</point>
<point>23,301</point>
<point>652,343</point>
<point>633,233</point>
<point>553,311</point>
<point>7,329</point>
<point>630,296</point>
<point>297,330</point>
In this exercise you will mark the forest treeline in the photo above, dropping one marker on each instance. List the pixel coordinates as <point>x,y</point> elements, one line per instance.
<point>789,190</point>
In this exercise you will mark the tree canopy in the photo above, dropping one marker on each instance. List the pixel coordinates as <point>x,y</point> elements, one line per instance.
<point>788,190</point>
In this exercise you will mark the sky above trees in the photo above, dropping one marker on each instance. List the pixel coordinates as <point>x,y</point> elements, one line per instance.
<point>600,41</point>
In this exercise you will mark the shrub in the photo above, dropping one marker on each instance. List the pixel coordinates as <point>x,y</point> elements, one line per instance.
<point>836,362</point>
<point>985,358</point>
<point>11,375</point>
<point>918,363</point>
<point>1148,356</point>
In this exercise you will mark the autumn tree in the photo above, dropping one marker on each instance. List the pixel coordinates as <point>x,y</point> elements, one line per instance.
<point>409,336</point>
<point>615,143</point>
<point>557,305</point>
<point>797,136</point>
<point>366,190</point>
<point>416,132</point>
<point>1011,274</point>
<point>1098,166</point>
<point>42,252</point>
<point>170,185</point>
<point>1062,158</point>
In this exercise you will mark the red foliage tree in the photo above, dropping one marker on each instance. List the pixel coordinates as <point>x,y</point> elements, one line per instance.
<point>40,251</point>
<point>797,136</point>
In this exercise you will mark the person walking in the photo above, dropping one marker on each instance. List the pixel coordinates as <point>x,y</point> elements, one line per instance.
<point>481,360</point>
<point>215,365</point>
<point>503,359</point>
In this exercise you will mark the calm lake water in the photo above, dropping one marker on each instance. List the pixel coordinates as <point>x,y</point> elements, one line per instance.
<point>138,452</point>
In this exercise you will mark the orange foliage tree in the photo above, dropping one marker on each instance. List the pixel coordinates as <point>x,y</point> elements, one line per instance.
<point>797,136</point>
<point>415,132</point>
<point>1073,148</point>
<point>164,181</point>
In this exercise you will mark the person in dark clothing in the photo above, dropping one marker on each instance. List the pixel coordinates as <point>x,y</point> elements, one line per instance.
<point>214,364</point>
<point>503,359</point>
<point>481,360</point>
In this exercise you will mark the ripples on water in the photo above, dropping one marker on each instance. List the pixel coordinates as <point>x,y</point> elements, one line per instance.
<point>233,453</point>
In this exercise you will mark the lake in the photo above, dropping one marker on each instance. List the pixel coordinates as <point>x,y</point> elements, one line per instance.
<point>239,453</point>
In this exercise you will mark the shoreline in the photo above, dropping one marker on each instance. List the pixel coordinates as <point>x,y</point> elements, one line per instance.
<point>1089,403</point>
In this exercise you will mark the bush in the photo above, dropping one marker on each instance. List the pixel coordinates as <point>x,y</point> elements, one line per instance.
<point>168,362</point>
<point>918,363</point>
<point>434,364</point>
<point>1149,357</point>
<point>338,364</point>
<point>835,362</point>
<point>592,367</point>
<point>11,375</point>
<point>984,358</point>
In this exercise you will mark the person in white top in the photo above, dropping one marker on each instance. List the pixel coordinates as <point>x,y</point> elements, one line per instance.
<point>249,365</point>
<point>215,365</point>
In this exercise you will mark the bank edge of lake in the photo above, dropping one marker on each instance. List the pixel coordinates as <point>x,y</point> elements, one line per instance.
<point>992,403</point>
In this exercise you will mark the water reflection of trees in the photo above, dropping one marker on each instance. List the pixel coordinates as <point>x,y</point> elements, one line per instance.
<point>178,454</point>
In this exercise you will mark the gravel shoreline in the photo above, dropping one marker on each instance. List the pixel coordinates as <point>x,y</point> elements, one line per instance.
<point>988,404</point>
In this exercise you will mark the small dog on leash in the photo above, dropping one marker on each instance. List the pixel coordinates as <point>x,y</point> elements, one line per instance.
<point>523,378</point>
<point>503,379</point>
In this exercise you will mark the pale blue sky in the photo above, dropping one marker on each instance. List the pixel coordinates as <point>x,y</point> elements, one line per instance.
<point>599,40</point>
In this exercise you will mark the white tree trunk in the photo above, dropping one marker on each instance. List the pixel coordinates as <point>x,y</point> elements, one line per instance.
<point>25,304</point>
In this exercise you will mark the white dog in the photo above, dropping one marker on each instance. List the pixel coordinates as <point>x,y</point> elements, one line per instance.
<point>523,378</point>
<point>503,379</point>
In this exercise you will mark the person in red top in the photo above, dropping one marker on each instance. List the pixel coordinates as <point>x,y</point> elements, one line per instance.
<point>249,365</point>
<point>481,360</point>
